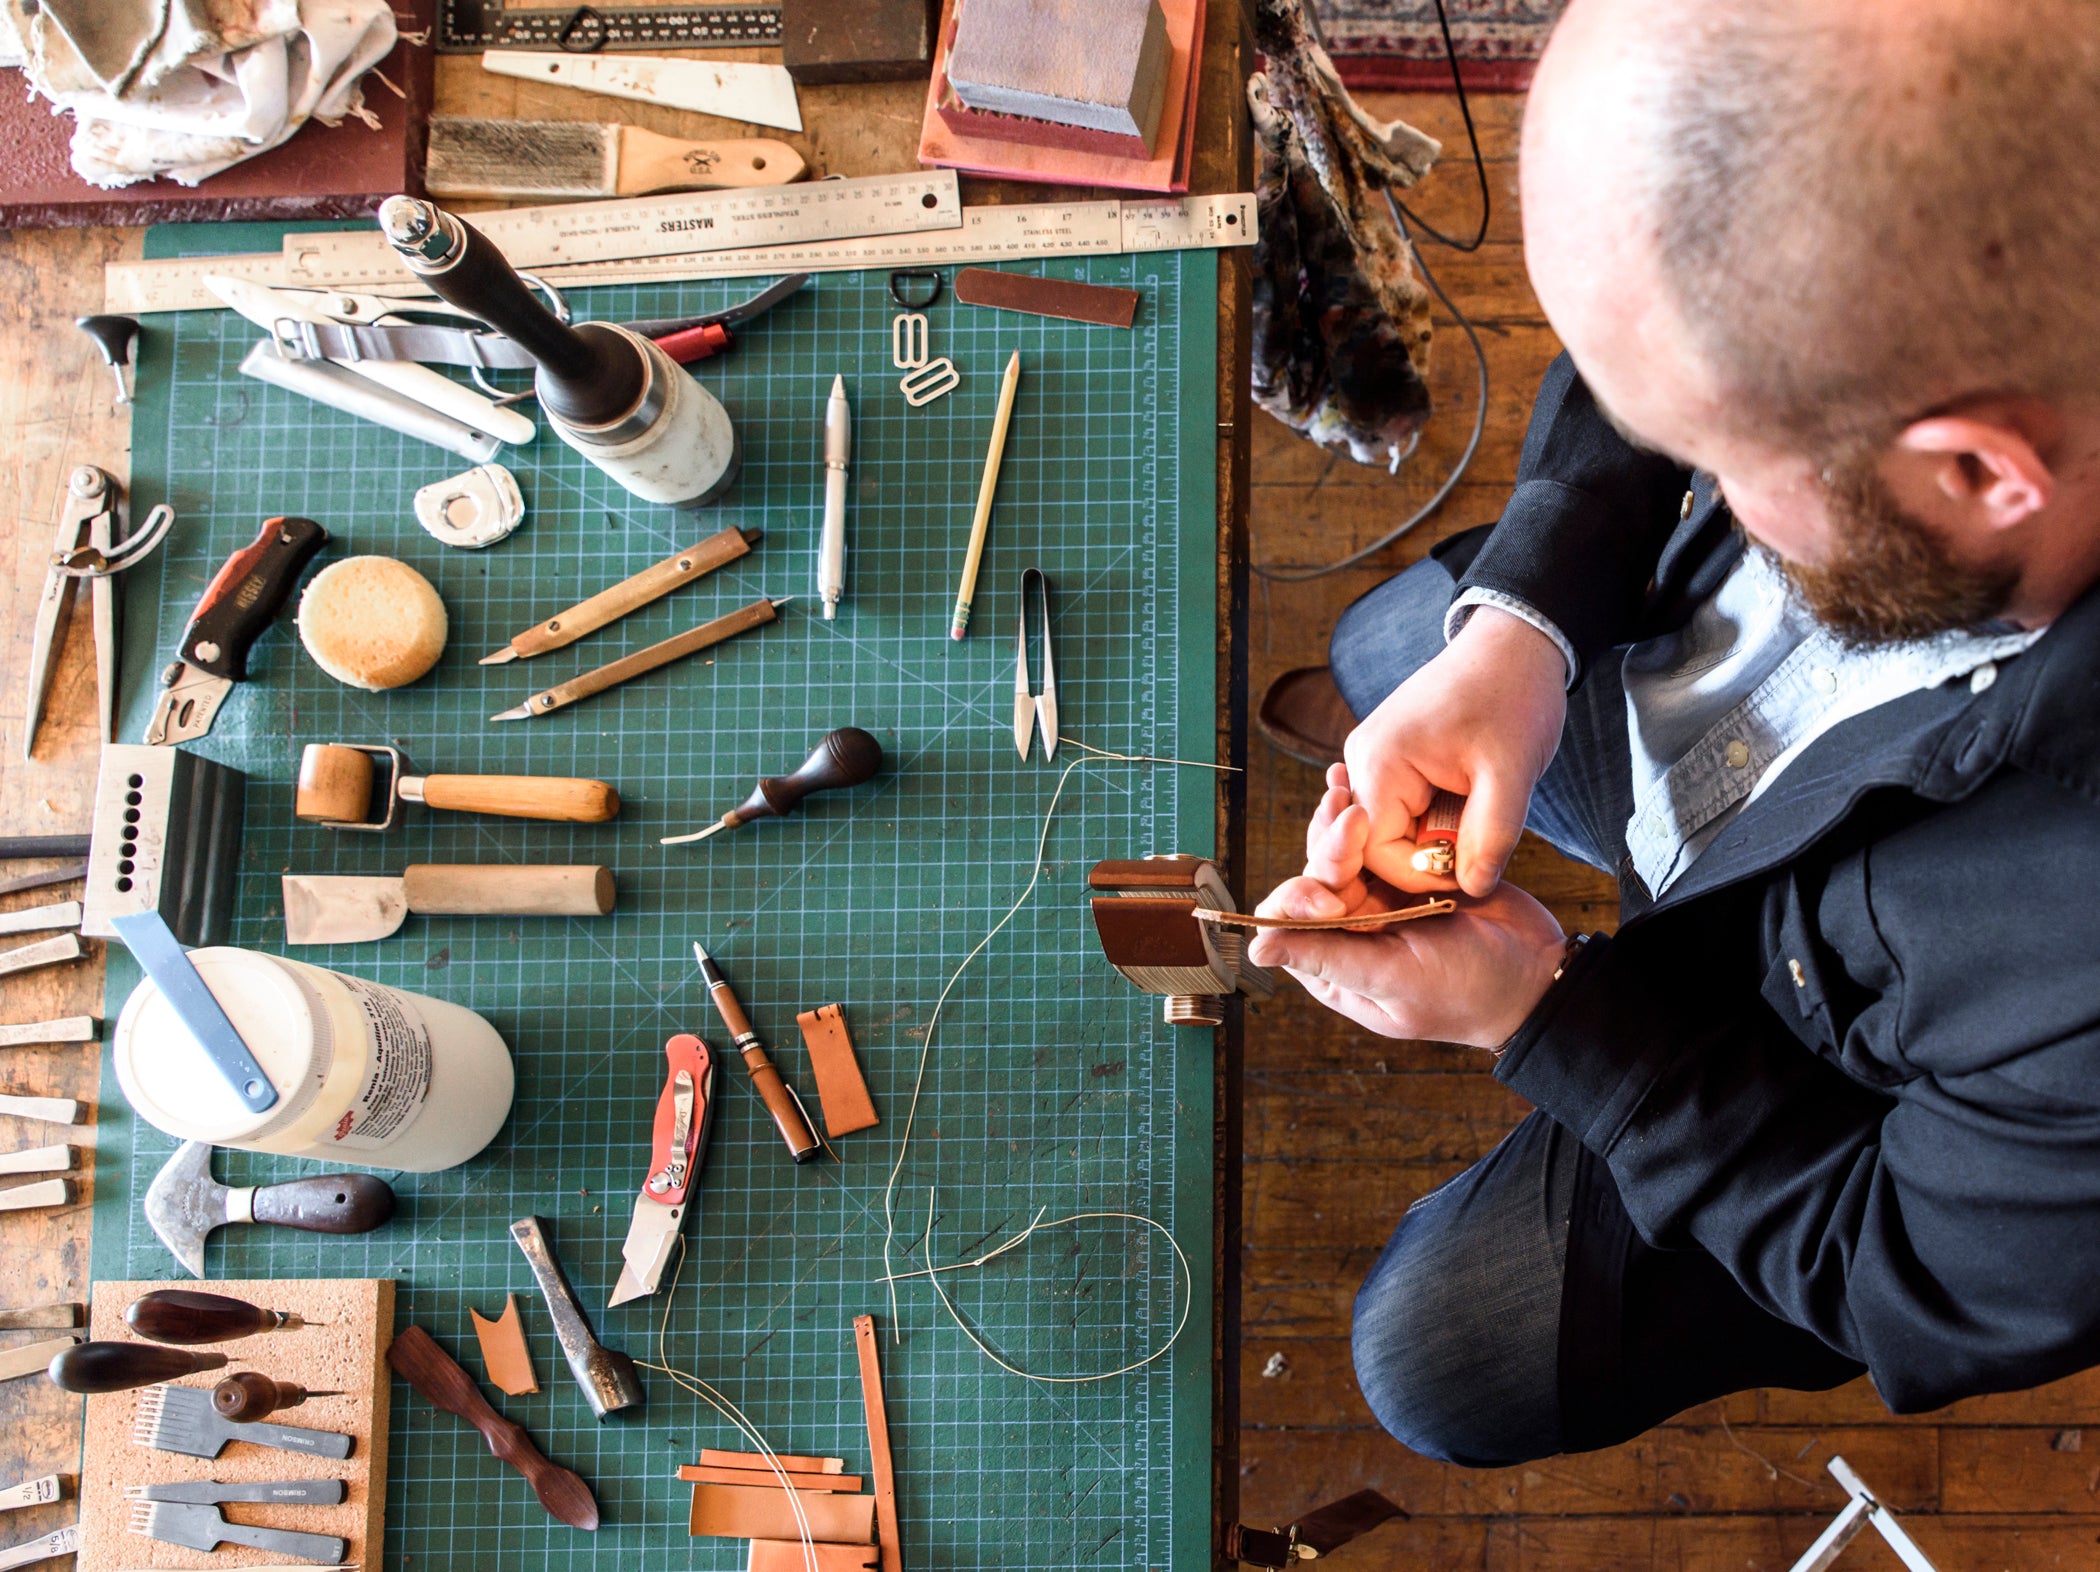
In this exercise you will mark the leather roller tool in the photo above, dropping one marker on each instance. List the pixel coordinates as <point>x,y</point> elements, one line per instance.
<point>360,786</point>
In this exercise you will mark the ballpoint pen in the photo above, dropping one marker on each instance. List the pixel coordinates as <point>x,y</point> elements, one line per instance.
<point>779,1098</point>
<point>838,453</point>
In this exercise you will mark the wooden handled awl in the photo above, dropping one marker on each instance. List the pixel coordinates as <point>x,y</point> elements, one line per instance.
<point>185,1315</point>
<point>417,1359</point>
<point>248,1395</point>
<point>118,1367</point>
<point>779,1098</point>
<point>845,757</point>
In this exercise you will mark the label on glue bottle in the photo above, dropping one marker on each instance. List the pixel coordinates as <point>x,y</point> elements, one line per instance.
<point>397,1084</point>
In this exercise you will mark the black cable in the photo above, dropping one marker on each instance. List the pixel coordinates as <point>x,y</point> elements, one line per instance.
<point>1465,109</point>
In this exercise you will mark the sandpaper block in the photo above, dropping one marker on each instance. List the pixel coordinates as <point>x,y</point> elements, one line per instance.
<point>1101,64</point>
<point>1104,305</point>
<point>840,1088</point>
<point>503,1350</point>
<point>856,40</point>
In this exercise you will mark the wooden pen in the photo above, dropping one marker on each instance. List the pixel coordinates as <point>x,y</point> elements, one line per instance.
<point>773,1090</point>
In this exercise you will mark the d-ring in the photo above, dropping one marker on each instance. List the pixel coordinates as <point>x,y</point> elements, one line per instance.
<point>908,274</point>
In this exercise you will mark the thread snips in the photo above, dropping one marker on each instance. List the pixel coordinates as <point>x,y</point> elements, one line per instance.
<point>1032,710</point>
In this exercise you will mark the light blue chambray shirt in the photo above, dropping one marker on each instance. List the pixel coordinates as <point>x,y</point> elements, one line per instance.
<point>1716,709</point>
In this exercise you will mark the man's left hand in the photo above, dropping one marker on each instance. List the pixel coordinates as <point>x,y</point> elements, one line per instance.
<point>1471,977</point>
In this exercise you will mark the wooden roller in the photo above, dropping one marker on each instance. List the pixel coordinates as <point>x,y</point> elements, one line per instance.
<point>337,784</point>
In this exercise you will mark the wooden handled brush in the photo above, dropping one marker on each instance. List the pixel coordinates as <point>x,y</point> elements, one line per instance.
<point>557,160</point>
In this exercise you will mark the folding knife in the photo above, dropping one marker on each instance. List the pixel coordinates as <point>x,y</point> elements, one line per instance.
<point>677,1146</point>
<point>239,604</point>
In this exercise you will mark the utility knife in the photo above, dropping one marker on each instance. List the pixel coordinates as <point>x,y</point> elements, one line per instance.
<point>241,601</point>
<point>677,1146</point>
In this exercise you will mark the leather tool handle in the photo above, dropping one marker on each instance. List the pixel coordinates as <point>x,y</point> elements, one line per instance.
<point>417,1359</point>
<point>118,1367</point>
<point>324,1204</point>
<point>845,757</point>
<point>500,890</point>
<point>562,799</point>
<point>687,643</point>
<point>248,1395</point>
<point>652,583</point>
<point>650,162</point>
<point>186,1315</point>
<point>246,595</point>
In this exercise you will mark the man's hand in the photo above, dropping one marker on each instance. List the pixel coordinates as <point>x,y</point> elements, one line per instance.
<point>1483,719</point>
<point>1472,977</point>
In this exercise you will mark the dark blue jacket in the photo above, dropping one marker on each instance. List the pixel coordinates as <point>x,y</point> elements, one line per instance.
<point>1854,1052</point>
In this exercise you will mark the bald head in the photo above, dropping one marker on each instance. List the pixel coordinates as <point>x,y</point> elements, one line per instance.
<point>1843,216</point>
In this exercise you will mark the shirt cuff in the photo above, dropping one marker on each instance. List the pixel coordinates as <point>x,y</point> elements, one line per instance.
<point>1462,609</point>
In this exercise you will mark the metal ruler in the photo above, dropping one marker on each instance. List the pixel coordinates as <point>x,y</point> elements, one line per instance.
<point>986,234</point>
<point>470,26</point>
<point>539,237</point>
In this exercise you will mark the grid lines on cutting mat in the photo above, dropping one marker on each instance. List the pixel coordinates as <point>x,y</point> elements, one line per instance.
<point>1052,1084</point>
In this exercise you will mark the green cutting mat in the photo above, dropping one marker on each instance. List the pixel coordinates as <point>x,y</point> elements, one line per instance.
<point>1053,1084</point>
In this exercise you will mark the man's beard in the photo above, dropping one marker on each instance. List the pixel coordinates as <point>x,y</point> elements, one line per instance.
<point>1888,578</point>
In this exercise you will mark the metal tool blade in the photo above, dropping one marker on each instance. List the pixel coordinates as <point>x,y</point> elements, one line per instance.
<point>206,1528</point>
<point>32,1492</point>
<point>63,914</point>
<point>342,909</point>
<point>647,1250</point>
<point>184,1204</point>
<point>189,703</point>
<point>606,1375</point>
<point>181,1419</point>
<point>209,1492</point>
<point>59,1542</point>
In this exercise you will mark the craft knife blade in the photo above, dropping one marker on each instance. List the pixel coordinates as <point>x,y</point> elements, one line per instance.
<point>239,604</point>
<point>677,1147</point>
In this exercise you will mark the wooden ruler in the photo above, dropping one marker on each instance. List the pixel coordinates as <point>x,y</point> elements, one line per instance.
<point>985,234</point>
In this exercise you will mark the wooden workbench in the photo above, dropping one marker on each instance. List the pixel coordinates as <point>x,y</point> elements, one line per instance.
<point>56,411</point>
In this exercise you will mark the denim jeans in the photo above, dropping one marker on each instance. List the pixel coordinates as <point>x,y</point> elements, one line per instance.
<point>1516,1313</point>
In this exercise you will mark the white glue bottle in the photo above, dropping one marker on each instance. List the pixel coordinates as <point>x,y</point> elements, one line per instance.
<point>365,1074</point>
<point>612,395</point>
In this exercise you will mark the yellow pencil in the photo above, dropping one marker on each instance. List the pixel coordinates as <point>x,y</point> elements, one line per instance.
<point>982,522</point>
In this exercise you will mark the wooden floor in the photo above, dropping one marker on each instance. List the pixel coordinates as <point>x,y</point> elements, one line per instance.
<point>1344,1129</point>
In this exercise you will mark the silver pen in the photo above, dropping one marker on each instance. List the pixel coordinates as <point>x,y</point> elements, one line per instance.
<point>838,452</point>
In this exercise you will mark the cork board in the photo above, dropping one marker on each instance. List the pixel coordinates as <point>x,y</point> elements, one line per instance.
<point>346,1355</point>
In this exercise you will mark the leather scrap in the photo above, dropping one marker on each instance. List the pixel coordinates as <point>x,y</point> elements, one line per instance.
<point>503,1349</point>
<point>1103,305</point>
<point>1356,921</point>
<point>840,1087</point>
<point>1312,1536</point>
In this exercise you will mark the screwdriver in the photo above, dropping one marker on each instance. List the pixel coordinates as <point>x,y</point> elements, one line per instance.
<point>117,1367</point>
<point>183,1315</point>
<point>845,757</point>
<point>249,1395</point>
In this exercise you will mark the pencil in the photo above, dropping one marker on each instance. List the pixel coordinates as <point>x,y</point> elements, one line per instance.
<point>982,522</point>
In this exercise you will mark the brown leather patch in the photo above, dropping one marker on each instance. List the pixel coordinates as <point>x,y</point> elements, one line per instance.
<point>840,1088</point>
<point>1104,305</point>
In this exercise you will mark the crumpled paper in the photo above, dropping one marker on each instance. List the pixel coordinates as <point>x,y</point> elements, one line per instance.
<point>186,88</point>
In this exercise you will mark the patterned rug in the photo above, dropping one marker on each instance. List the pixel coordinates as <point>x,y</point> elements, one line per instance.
<point>1397,44</point>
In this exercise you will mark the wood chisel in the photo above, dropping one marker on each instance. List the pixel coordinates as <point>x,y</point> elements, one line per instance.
<point>690,642</point>
<point>756,94</point>
<point>237,608</point>
<point>630,594</point>
<point>558,160</point>
<point>685,1112</point>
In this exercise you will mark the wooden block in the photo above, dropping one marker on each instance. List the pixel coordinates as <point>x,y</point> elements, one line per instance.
<point>1095,63</point>
<point>856,40</point>
<point>782,1555</point>
<point>712,1457</point>
<point>823,1484</point>
<point>348,1355</point>
<point>756,1512</point>
<point>503,1350</point>
<point>840,1088</point>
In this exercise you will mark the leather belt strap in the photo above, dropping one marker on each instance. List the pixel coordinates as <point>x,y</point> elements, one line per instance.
<point>1313,1535</point>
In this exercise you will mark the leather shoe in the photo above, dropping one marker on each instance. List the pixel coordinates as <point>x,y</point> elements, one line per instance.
<point>1303,714</point>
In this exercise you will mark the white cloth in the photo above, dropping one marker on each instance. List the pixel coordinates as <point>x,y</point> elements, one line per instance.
<point>186,88</point>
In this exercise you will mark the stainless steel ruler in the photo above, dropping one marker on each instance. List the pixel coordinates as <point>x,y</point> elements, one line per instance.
<point>986,234</point>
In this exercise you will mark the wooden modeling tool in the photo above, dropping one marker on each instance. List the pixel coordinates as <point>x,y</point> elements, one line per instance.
<point>691,642</point>
<point>417,1359</point>
<point>630,594</point>
<point>879,1463</point>
<point>89,1368</point>
<point>185,1315</point>
<point>779,1098</point>
<point>504,1352</point>
<point>845,757</point>
<point>1103,305</point>
<point>841,1091</point>
<point>565,160</point>
<point>341,786</point>
<point>248,1395</point>
<point>353,908</point>
<point>982,520</point>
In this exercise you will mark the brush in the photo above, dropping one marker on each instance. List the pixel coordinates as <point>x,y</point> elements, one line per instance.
<point>553,160</point>
<point>206,1528</point>
<point>181,1419</point>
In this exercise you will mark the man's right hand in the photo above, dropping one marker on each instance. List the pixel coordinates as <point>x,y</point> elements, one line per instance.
<point>1482,719</point>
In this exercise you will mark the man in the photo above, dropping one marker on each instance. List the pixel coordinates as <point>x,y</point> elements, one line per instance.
<point>1790,625</point>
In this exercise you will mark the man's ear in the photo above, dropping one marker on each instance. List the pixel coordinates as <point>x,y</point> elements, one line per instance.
<point>1985,465</point>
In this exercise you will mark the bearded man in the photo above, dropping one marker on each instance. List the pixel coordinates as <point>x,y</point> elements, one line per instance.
<point>1790,626</point>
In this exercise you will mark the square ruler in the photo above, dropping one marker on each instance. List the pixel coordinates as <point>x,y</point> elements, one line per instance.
<point>980,234</point>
